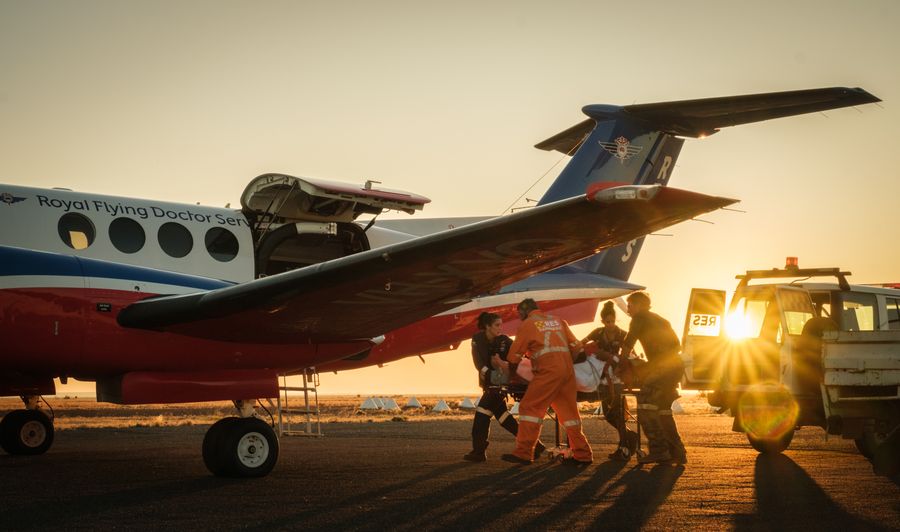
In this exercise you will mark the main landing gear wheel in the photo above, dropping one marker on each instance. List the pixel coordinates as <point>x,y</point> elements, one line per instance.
<point>240,447</point>
<point>26,432</point>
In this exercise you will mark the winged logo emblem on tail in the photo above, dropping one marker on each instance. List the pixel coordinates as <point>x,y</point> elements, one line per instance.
<point>621,149</point>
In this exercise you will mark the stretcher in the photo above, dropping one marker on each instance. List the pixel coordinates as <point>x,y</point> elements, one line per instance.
<point>631,418</point>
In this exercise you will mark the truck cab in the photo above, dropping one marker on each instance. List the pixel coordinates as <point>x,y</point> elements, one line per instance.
<point>787,353</point>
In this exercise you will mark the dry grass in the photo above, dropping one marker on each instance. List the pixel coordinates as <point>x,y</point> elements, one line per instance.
<point>72,413</point>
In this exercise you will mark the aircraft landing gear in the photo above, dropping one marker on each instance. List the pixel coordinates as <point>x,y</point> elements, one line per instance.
<point>240,446</point>
<point>28,431</point>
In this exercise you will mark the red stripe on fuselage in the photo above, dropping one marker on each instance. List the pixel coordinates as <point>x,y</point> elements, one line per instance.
<point>445,332</point>
<point>63,331</point>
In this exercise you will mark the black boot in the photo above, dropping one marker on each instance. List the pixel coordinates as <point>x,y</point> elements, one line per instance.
<point>673,440</point>
<point>475,456</point>
<point>656,441</point>
<point>481,428</point>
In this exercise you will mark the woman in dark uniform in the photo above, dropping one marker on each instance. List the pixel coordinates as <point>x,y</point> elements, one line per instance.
<point>489,350</point>
<point>608,340</point>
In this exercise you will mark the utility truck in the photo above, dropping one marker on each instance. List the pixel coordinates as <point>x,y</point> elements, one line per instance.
<point>790,353</point>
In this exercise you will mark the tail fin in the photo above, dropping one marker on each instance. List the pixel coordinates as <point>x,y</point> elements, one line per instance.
<point>639,144</point>
<point>612,147</point>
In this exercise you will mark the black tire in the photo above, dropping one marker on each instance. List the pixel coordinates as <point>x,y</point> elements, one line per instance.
<point>212,445</point>
<point>249,448</point>
<point>886,457</point>
<point>26,432</point>
<point>862,445</point>
<point>771,445</point>
<point>869,441</point>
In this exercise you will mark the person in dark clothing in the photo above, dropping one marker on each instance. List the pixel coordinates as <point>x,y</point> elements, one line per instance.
<point>659,380</point>
<point>608,340</point>
<point>489,351</point>
<point>807,358</point>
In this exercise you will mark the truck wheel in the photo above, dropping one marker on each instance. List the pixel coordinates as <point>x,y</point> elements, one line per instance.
<point>771,445</point>
<point>769,418</point>
<point>886,456</point>
<point>869,441</point>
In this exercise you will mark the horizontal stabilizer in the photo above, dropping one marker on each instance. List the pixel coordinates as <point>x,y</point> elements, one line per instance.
<point>703,117</point>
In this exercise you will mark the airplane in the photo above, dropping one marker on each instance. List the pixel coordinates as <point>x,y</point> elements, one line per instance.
<point>637,144</point>
<point>286,225</point>
<point>147,335</point>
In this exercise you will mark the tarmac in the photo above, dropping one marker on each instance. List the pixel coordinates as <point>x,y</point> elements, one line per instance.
<point>411,476</point>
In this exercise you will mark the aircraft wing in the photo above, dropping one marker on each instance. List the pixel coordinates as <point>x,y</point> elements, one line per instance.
<point>705,116</point>
<point>365,295</point>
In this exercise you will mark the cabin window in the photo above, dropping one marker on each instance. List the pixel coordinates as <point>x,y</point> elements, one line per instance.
<point>76,230</point>
<point>175,239</point>
<point>893,313</point>
<point>858,312</point>
<point>127,235</point>
<point>221,244</point>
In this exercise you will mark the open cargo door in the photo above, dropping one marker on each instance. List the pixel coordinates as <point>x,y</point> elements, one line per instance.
<point>297,221</point>
<point>703,339</point>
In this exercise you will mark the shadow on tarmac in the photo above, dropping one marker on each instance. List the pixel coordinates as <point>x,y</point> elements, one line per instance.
<point>645,490</point>
<point>498,500</point>
<point>68,507</point>
<point>483,501</point>
<point>787,498</point>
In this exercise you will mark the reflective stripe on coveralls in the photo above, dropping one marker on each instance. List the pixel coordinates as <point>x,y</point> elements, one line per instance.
<point>504,416</point>
<point>551,348</point>
<point>484,411</point>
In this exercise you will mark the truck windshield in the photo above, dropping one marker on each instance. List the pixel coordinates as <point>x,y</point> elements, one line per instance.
<point>746,318</point>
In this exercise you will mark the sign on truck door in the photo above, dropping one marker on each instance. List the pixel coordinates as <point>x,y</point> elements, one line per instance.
<point>703,338</point>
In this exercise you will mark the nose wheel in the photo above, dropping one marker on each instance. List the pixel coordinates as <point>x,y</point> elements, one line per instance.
<point>240,447</point>
<point>26,432</point>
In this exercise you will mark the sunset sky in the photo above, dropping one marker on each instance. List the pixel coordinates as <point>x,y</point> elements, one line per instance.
<point>189,100</point>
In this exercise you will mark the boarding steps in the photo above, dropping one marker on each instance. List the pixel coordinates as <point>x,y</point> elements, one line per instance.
<point>307,411</point>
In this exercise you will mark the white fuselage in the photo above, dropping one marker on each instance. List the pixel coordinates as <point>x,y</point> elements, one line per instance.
<point>55,220</point>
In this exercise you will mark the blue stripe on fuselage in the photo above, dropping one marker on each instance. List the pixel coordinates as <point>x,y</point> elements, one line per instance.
<point>19,261</point>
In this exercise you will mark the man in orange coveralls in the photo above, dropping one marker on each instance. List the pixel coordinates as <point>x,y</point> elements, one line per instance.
<point>549,343</point>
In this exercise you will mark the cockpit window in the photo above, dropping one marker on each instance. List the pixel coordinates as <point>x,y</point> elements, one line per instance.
<point>221,244</point>
<point>76,230</point>
<point>127,235</point>
<point>175,239</point>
